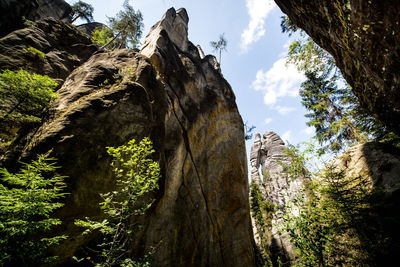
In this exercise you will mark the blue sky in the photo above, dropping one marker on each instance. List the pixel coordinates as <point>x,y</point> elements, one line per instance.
<point>254,64</point>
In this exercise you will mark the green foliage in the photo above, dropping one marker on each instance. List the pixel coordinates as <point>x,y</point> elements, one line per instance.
<point>219,45</point>
<point>262,211</point>
<point>126,27</point>
<point>137,176</point>
<point>82,10</point>
<point>334,111</point>
<point>102,36</point>
<point>23,96</point>
<point>36,52</point>
<point>336,221</point>
<point>27,201</point>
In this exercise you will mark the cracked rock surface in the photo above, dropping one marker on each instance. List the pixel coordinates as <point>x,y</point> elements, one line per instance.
<point>168,92</point>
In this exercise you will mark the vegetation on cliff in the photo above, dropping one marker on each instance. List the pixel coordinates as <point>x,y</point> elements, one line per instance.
<point>123,31</point>
<point>23,96</point>
<point>137,176</point>
<point>340,219</point>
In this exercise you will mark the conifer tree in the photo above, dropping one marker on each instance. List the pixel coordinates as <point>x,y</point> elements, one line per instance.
<point>219,45</point>
<point>82,10</point>
<point>334,110</point>
<point>126,27</point>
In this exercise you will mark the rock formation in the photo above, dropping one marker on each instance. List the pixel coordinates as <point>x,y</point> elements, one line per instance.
<point>363,37</point>
<point>377,162</point>
<point>377,165</point>
<point>49,47</point>
<point>15,11</point>
<point>278,188</point>
<point>176,97</point>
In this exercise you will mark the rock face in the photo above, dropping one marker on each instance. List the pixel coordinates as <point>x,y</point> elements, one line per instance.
<point>364,39</point>
<point>176,97</point>
<point>50,47</point>
<point>14,11</point>
<point>378,164</point>
<point>277,188</point>
<point>90,27</point>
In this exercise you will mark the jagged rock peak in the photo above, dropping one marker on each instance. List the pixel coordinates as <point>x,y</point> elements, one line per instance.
<point>175,23</point>
<point>174,26</point>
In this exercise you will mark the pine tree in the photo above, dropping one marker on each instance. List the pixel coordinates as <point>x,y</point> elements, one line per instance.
<point>126,27</point>
<point>219,45</point>
<point>83,10</point>
<point>332,123</point>
<point>334,110</point>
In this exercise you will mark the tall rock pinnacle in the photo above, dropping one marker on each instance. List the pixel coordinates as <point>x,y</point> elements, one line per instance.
<point>277,188</point>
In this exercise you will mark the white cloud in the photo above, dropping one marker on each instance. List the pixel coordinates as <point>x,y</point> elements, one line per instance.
<point>258,11</point>
<point>268,120</point>
<point>308,130</point>
<point>286,136</point>
<point>283,110</point>
<point>279,81</point>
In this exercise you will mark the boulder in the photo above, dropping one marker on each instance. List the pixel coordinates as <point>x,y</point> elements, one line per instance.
<point>49,47</point>
<point>14,12</point>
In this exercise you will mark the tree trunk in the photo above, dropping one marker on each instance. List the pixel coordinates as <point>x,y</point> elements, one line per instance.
<point>115,37</point>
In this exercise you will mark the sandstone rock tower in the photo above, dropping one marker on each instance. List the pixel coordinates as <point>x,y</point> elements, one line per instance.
<point>277,188</point>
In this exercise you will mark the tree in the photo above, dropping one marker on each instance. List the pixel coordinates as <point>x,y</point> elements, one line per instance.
<point>23,96</point>
<point>27,201</point>
<point>137,176</point>
<point>340,220</point>
<point>83,10</point>
<point>102,36</point>
<point>126,27</point>
<point>219,45</point>
<point>248,131</point>
<point>335,111</point>
<point>329,116</point>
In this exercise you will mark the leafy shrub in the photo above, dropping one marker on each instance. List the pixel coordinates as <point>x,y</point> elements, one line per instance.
<point>137,175</point>
<point>23,96</point>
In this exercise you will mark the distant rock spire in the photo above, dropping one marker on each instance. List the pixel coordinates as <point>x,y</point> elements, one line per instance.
<point>277,189</point>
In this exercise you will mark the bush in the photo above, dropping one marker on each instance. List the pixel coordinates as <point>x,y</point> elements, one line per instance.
<point>23,96</point>
<point>137,175</point>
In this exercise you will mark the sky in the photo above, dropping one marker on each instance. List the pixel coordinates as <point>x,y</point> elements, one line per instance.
<point>254,64</point>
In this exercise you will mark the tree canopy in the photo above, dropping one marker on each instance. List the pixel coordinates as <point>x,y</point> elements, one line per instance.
<point>219,45</point>
<point>23,96</point>
<point>125,29</point>
<point>334,111</point>
<point>82,10</point>
<point>28,199</point>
